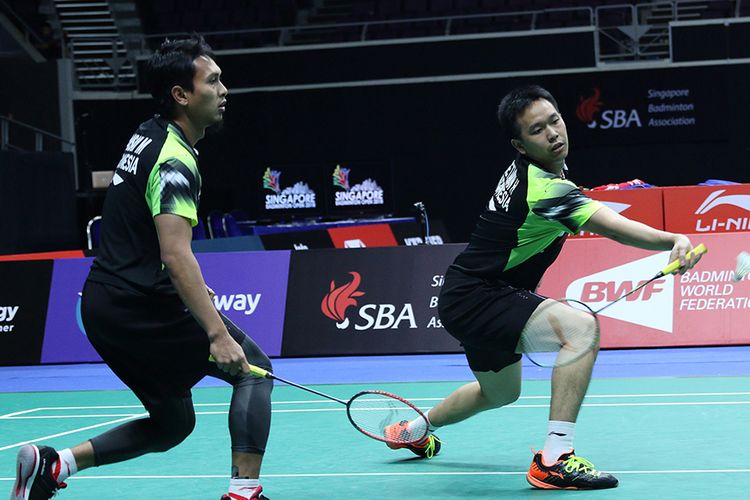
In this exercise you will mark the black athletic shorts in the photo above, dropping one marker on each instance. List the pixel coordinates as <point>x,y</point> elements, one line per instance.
<point>486,316</point>
<point>152,343</point>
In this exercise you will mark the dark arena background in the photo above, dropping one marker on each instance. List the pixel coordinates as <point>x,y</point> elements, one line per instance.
<point>359,145</point>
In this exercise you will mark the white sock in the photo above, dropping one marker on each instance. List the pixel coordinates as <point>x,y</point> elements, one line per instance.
<point>68,465</point>
<point>243,487</point>
<point>432,428</point>
<point>417,425</point>
<point>559,440</point>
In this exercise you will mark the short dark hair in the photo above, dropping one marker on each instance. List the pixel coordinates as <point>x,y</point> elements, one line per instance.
<point>173,64</point>
<point>515,103</point>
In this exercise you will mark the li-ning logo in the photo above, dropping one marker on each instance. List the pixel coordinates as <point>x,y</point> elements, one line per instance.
<point>298,196</point>
<point>588,108</point>
<point>368,192</point>
<point>339,299</point>
<point>714,200</point>
<point>373,316</point>
<point>726,223</point>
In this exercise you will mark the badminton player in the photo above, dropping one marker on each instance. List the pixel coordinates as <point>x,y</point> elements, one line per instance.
<point>488,299</point>
<point>146,308</point>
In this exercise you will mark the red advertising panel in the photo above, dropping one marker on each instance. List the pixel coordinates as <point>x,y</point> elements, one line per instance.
<point>374,235</point>
<point>707,209</point>
<point>643,205</point>
<point>702,307</point>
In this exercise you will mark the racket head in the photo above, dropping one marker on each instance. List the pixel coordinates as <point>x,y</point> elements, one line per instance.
<point>371,412</point>
<point>560,332</point>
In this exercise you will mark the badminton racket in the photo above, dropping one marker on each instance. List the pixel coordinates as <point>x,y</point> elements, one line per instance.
<point>373,413</point>
<point>560,332</point>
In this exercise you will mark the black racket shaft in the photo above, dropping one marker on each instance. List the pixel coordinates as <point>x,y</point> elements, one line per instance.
<point>669,269</point>
<point>260,372</point>
<point>618,299</point>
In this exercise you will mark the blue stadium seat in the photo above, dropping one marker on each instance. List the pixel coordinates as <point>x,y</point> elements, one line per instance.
<point>231,228</point>
<point>199,230</point>
<point>216,225</point>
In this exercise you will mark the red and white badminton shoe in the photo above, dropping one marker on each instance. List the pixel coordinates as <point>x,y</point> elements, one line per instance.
<point>35,477</point>
<point>256,494</point>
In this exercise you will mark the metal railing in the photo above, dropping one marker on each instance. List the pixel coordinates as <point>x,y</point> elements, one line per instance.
<point>522,20</point>
<point>625,32</point>
<point>38,134</point>
<point>29,34</point>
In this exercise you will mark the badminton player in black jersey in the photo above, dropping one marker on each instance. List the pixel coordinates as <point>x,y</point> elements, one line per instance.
<point>146,308</point>
<point>488,301</point>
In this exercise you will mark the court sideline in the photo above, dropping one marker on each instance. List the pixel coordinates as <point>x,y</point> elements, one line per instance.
<point>671,423</point>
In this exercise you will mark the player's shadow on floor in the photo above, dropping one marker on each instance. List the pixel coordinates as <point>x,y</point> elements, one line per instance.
<point>465,466</point>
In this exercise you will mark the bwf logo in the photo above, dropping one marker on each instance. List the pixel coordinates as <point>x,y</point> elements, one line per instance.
<point>373,316</point>
<point>651,306</point>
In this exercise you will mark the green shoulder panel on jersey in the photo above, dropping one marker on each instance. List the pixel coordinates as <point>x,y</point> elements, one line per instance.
<point>174,181</point>
<point>555,206</point>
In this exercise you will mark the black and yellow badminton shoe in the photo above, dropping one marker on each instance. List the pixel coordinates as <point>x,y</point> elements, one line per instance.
<point>570,472</point>
<point>425,448</point>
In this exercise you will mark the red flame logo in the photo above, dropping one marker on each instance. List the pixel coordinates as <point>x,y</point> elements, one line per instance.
<point>589,106</point>
<point>338,300</point>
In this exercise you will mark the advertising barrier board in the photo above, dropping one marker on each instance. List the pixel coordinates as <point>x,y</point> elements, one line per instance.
<point>23,307</point>
<point>642,205</point>
<point>367,301</point>
<point>707,209</point>
<point>702,307</point>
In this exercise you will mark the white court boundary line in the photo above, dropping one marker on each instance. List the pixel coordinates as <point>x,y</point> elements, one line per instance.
<point>391,474</point>
<point>341,409</point>
<point>324,401</point>
<point>24,414</point>
<point>73,431</point>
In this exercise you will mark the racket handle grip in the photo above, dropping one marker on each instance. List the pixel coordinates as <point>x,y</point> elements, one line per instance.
<point>675,264</point>
<point>254,370</point>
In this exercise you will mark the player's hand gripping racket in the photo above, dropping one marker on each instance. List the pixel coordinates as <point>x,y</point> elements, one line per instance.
<point>560,332</point>
<point>370,412</point>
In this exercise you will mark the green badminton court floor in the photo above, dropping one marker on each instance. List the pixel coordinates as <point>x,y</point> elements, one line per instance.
<point>664,438</point>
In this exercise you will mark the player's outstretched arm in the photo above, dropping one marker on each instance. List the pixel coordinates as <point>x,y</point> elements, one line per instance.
<point>608,223</point>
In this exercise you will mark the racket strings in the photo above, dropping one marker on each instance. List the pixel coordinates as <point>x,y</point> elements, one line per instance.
<point>559,332</point>
<point>376,413</point>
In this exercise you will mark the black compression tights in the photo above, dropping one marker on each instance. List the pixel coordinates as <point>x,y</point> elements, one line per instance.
<point>172,420</point>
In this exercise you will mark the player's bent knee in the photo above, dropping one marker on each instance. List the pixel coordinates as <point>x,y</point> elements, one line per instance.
<point>175,433</point>
<point>505,399</point>
<point>586,337</point>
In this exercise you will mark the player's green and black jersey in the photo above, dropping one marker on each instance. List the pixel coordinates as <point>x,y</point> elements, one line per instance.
<point>157,174</point>
<point>522,229</point>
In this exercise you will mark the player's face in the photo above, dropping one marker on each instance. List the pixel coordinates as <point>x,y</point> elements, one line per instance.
<point>544,137</point>
<point>208,97</point>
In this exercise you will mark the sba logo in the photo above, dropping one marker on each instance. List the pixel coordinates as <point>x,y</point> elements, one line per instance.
<point>609,118</point>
